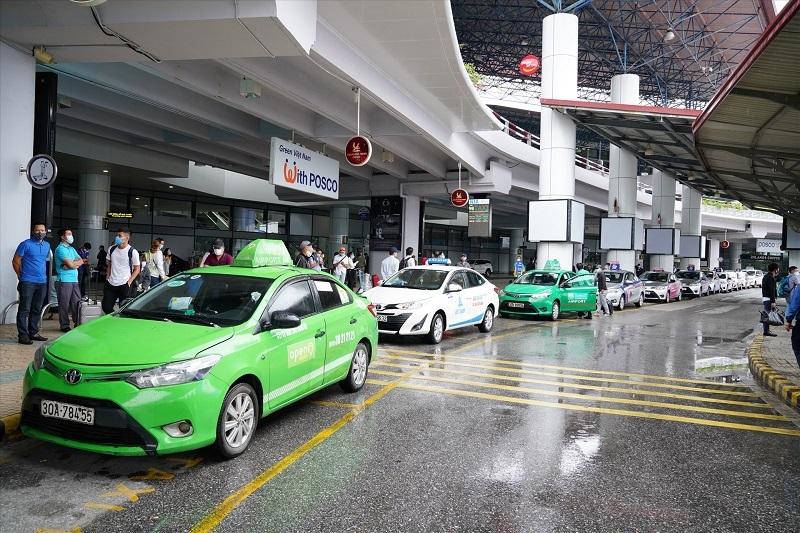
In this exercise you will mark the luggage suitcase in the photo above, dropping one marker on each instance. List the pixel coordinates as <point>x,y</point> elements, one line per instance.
<point>88,310</point>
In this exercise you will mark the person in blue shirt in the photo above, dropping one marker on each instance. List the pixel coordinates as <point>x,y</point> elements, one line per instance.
<point>793,315</point>
<point>29,263</point>
<point>67,263</point>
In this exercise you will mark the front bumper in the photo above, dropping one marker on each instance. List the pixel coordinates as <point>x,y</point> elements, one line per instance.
<point>691,291</point>
<point>128,420</point>
<point>404,322</point>
<point>516,305</point>
<point>655,294</point>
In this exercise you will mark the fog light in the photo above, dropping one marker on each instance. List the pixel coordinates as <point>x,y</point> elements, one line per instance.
<point>179,429</point>
<point>418,326</point>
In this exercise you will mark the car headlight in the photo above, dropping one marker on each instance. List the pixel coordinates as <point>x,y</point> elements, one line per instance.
<point>540,296</point>
<point>174,373</point>
<point>501,293</point>
<point>411,305</point>
<point>38,356</point>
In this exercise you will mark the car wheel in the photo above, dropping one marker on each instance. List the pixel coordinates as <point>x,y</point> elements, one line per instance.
<point>556,312</point>
<point>621,304</point>
<point>680,297</point>
<point>666,298</point>
<point>488,321</point>
<point>359,365</point>
<point>237,421</point>
<point>437,329</point>
<point>641,300</point>
<point>488,272</point>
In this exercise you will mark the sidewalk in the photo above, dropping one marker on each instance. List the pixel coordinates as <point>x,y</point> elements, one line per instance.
<point>14,359</point>
<point>774,364</point>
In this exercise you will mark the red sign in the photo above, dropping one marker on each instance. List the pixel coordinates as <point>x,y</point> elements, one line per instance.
<point>529,65</point>
<point>459,198</point>
<point>358,151</point>
<point>724,244</point>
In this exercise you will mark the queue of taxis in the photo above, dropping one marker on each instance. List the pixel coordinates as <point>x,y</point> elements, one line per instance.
<point>235,343</point>
<point>624,288</point>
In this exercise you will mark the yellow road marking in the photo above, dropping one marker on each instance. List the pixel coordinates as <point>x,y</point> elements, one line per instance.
<point>131,494</point>
<point>50,530</point>
<point>221,511</point>
<point>493,337</point>
<point>570,368</point>
<point>377,381</point>
<point>104,506</point>
<point>385,372</point>
<point>583,378</point>
<point>153,474</point>
<point>587,397</point>
<point>187,463</point>
<point>326,403</point>
<point>603,410</point>
<point>578,386</point>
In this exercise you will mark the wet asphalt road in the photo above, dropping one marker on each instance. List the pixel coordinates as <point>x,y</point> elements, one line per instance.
<point>647,421</point>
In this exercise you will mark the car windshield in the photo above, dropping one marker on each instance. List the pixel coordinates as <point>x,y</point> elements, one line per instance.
<point>655,276</point>
<point>687,274</point>
<point>751,272</point>
<point>426,279</point>
<point>206,299</point>
<point>537,278</point>
<point>614,277</point>
<point>723,276</point>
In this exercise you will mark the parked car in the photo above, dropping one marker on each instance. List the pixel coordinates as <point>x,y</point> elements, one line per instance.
<point>484,266</point>
<point>752,280</point>
<point>693,283</point>
<point>742,279</point>
<point>734,283</point>
<point>624,288</point>
<point>661,286</point>
<point>714,283</point>
<point>549,293</point>
<point>759,277</point>
<point>726,283</point>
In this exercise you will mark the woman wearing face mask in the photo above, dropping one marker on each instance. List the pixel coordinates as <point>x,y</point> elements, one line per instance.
<point>217,255</point>
<point>155,264</point>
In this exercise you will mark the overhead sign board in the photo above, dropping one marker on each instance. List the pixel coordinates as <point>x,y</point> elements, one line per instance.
<point>768,246</point>
<point>459,198</point>
<point>300,169</point>
<point>41,171</point>
<point>479,218</point>
<point>358,151</point>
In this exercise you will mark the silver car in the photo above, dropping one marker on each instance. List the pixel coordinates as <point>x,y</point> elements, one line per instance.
<point>624,288</point>
<point>714,283</point>
<point>693,283</point>
<point>725,282</point>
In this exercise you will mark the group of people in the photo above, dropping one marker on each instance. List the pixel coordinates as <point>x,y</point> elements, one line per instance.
<point>769,298</point>
<point>346,265</point>
<point>122,267</point>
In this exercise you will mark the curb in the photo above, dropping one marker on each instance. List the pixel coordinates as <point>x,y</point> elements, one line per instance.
<point>9,425</point>
<point>774,380</point>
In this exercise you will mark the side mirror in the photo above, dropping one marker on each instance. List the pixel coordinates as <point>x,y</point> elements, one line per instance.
<point>283,320</point>
<point>454,287</point>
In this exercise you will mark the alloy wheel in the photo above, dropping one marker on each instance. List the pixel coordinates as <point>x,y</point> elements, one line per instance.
<point>239,420</point>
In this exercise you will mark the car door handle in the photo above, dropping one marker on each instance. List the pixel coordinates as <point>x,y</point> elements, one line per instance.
<point>353,320</point>
<point>319,334</point>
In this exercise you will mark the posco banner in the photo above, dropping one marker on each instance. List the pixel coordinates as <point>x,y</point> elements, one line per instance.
<point>301,169</point>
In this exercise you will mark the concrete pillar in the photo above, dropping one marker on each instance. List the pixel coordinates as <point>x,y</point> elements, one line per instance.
<point>516,242</point>
<point>663,213</point>
<point>557,143</point>
<point>411,220</point>
<point>623,173</point>
<point>713,253</point>
<point>94,196</point>
<point>691,220</point>
<point>17,89</point>
<point>794,258</point>
<point>736,256</point>
<point>340,228</point>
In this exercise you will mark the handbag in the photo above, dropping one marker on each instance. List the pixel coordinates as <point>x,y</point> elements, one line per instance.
<point>776,318</point>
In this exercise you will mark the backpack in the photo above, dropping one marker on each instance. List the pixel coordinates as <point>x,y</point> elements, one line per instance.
<point>403,262</point>
<point>783,287</point>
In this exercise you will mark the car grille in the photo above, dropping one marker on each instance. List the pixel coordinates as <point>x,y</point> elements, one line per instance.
<point>112,425</point>
<point>394,322</point>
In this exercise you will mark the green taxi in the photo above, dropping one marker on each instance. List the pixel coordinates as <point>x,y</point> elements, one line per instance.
<point>200,358</point>
<point>549,292</point>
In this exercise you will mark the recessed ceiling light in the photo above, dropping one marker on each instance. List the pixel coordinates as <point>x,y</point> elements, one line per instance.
<point>171,186</point>
<point>105,171</point>
<point>145,205</point>
<point>669,36</point>
<point>137,197</point>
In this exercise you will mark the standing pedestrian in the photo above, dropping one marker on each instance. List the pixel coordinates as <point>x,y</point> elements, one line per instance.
<point>519,266</point>
<point>123,268</point>
<point>102,264</point>
<point>68,263</point>
<point>305,257</point>
<point>793,315</point>
<point>462,262</point>
<point>409,260</point>
<point>85,270</point>
<point>390,265</point>
<point>155,264</point>
<point>602,290</point>
<point>793,281</point>
<point>29,263</point>
<point>341,264</point>
<point>769,294</point>
<point>217,255</point>
<point>167,261</point>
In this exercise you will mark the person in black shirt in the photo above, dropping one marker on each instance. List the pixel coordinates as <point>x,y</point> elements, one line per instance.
<point>769,293</point>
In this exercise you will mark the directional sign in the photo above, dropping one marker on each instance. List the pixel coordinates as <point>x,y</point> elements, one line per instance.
<point>459,198</point>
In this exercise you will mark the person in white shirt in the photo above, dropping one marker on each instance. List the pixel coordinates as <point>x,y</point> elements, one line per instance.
<point>123,267</point>
<point>409,260</point>
<point>390,265</point>
<point>341,264</point>
<point>155,264</point>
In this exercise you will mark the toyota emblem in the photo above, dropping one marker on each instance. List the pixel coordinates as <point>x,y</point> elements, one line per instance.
<point>73,376</point>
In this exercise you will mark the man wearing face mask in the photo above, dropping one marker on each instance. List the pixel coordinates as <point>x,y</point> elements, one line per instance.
<point>305,259</point>
<point>29,264</point>
<point>217,256</point>
<point>123,267</point>
<point>68,291</point>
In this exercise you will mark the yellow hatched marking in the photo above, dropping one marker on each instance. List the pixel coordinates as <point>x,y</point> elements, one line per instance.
<point>386,372</point>
<point>603,410</point>
<point>153,474</point>
<point>444,357</point>
<point>104,506</point>
<point>326,403</point>
<point>131,494</point>
<point>51,530</point>
<point>629,401</point>
<point>577,386</point>
<point>584,378</point>
<point>186,462</point>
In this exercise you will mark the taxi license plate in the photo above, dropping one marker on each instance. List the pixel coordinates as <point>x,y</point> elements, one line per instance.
<point>516,304</point>
<point>383,318</point>
<point>68,411</point>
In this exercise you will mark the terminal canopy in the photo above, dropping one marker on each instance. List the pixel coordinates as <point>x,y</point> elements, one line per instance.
<point>263,252</point>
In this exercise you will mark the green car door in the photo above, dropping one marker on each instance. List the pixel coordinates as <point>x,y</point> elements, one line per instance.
<point>580,293</point>
<point>341,324</point>
<point>296,356</point>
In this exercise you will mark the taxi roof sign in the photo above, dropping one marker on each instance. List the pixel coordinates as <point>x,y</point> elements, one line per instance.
<point>552,264</point>
<point>262,253</point>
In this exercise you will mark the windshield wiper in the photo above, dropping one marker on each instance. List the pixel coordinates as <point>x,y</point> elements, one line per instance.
<point>196,319</point>
<point>140,314</point>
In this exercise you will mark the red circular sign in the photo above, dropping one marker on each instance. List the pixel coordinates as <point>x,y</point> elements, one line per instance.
<point>358,151</point>
<point>529,65</point>
<point>724,244</point>
<point>459,198</point>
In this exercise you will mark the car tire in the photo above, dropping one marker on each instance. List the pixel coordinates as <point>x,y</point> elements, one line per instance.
<point>488,321</point>
<point>641,300</point>
<point>488,272</point>
<point>680,297</point>
<point>241,422</point>
<point>666,298</point>
<point>621,304</point>
<point>357,373</point>
<point>555,313</point>
<point>436,333</point>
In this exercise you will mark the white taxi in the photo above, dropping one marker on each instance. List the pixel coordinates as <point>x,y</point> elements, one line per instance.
<point>429,300</point>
